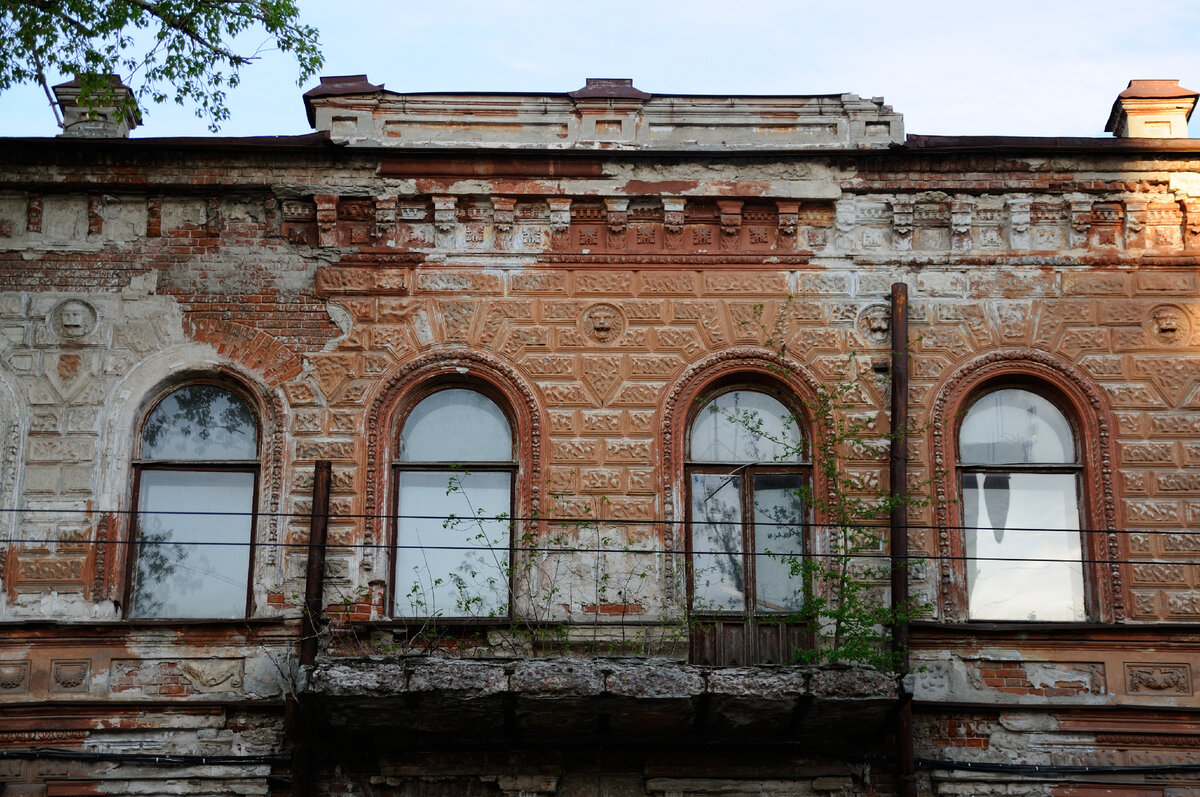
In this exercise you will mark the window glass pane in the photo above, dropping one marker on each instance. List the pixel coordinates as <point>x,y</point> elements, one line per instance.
<point>177,575</point>
<point>456,426</point>
<point>452,509</point>
<point>779,540</point>
<point>200,422</point>
<point>1022,516</point>
<point>1010,427</point>
<point>717,549</point>
<point>746,426</point>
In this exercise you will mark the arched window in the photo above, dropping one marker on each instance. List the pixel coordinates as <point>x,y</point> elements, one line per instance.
<point>747,471</point>
<point>195,487</point>
<point>454,486</point>
<point>1020,473</point>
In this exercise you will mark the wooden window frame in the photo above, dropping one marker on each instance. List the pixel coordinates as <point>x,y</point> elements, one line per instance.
<point>748,636</point>
<point>140,465</point>
<point>398,467</point>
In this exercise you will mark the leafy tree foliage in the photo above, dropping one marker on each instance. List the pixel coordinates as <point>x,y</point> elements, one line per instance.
<point>187,50</point>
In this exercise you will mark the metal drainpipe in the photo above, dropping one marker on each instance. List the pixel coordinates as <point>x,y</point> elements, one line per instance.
<point>898,466</point>
<point>314,588</point>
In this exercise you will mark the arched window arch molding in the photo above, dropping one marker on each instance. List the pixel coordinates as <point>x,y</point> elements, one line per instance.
<point>1084,404</point>
<point>400,390</point>
<point>14,425</point>
<point>744,366</point>
<point>132,397</point>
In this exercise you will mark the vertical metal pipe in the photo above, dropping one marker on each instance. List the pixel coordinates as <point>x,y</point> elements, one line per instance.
<point>314,581</point>
<point>898,485</point>
<point>314,587</point>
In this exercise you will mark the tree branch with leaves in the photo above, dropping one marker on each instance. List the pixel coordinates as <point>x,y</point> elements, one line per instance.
<point>190,51</point>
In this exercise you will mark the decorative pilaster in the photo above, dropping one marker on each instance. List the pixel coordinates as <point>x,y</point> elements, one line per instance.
<point>1080,223</point>
<point>962,210</point>
<point>789,218</point>
<point>845,218</point>
<point>618,222</point>
<point>673,209</point>
<point>1135,224</point>
<point>902,224</point>
<point>560,222</point>
<point>326,219</point>
<point>502,221</point>
<point>212,214</point>
<point>1191,225</point>
<point>385,219</point>
<point>94,216</point>
<point>33,213</point>
<point>1019,222</point>
<point>270,215</point>
<point>731,221</point>
<point>445,220</point>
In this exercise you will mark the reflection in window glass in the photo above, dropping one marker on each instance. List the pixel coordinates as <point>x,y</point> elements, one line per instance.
<point>200,422</point>
<point>778,532</point>
<point>453,530</point>
<point>718,581</point>
<point>1021,514</point>
<point>746,426</point>
<point>1027,517</point>
<point>189,562</point>
<point>192,565</point>
<point>1010,427</point>
<point>746,505</point>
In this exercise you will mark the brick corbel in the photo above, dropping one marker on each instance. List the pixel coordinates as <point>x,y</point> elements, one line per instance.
<point>444,217</point>
<point>1191,224</point>
<point>326,219</point>
<point>902,224</point>
<point>962,211</point>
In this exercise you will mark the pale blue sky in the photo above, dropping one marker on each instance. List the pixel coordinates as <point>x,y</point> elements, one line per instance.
<point>1024,67</point>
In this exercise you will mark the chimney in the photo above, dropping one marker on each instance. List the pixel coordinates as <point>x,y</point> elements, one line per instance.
<point>1152,109</point>
<point>98,121</point>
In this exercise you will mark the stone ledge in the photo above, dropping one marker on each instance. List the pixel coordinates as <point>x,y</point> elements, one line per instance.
<point>633,697</point>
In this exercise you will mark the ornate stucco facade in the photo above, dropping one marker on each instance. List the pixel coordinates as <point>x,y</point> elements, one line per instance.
<point>598,266</point>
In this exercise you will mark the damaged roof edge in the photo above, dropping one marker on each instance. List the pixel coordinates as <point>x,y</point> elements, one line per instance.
<point>606,113</point>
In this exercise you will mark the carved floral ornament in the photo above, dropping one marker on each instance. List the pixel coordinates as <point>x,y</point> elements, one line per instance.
<point>1158,678</point>
<point>14,675</point>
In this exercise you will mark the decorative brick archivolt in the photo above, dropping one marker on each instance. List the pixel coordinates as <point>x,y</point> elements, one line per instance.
<point>1093,423</point>
<point>741,365</point>
<point>12,433</point>
<point>462,368</point>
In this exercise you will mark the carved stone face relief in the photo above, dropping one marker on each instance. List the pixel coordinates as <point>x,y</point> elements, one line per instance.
<point>874,323</point>
<point>1169,325</point>
<point>73,319</point>
<point>603,323</point>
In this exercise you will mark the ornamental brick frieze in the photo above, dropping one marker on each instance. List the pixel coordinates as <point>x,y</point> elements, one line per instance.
<point>638,226</point>
<point>606,229</point>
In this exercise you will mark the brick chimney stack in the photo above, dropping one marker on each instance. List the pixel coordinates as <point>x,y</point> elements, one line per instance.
<point>99,121</point>
<point>1152,109</point>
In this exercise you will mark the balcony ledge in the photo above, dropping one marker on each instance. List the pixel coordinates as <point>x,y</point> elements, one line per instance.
<point>372,699</point>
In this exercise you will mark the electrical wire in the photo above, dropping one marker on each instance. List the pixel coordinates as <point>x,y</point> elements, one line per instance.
<point>870,523</point>
<point>550,549</point>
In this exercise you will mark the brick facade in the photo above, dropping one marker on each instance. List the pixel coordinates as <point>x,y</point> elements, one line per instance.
<point>600,294</point>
